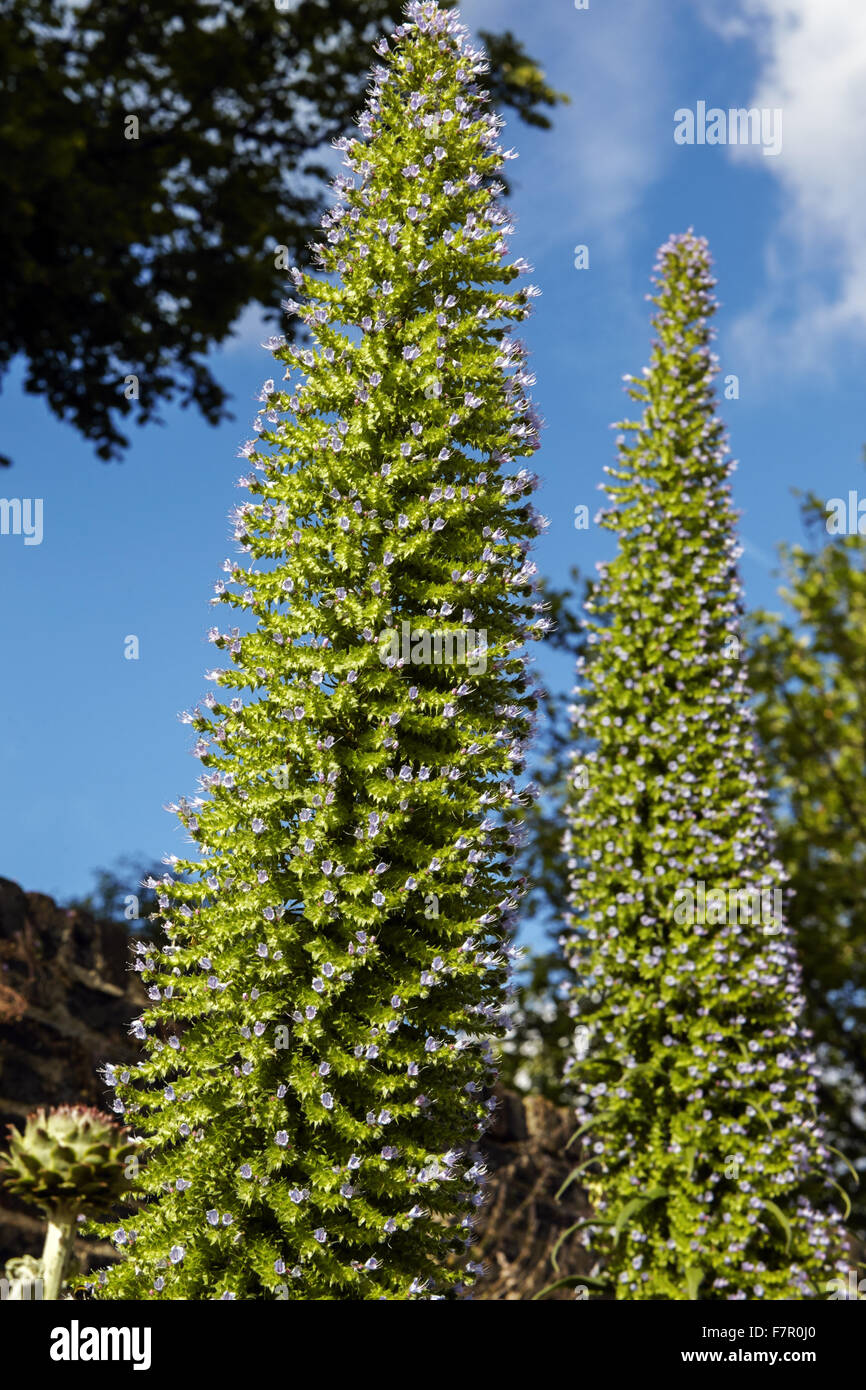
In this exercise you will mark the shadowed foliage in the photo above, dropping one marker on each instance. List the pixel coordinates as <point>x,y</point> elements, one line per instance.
<point>133,251</point>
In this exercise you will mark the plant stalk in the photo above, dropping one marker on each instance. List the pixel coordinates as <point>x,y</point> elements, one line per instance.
<point>59,1239</point>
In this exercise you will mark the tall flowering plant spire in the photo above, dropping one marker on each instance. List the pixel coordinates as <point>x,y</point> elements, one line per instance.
<point>705,1162</point>
<point>316,1040</point>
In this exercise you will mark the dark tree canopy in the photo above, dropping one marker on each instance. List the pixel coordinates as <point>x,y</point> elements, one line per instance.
<point>134,256</point>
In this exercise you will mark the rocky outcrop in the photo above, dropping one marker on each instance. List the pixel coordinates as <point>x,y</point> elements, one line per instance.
<point>66,998</point>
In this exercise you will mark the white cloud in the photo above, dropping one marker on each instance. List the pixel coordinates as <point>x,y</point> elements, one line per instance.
<point>812,57</point>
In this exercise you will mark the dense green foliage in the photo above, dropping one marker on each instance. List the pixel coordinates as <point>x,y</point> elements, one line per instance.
<point>706,1163</point>
<point>808,669</point>
<point>334,961</point>
<point>133,249</point>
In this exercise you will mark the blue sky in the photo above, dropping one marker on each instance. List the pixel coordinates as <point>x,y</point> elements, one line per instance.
<point>91,746</point>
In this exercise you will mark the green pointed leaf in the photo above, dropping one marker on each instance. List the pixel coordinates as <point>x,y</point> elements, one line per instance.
<point>758,1111</point>
<point>573,1174</point>
<point>636,1205</point>
<point>843,1194</point>
<point>781,1218</point>
<point>848,1164</point>
<point>630,1209</point>
<point>694,1278</point>
<point>596,1120</point>
<point>584,1221</point>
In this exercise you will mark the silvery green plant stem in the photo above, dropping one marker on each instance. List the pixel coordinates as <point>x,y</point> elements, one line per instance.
<point>59,1240</point>
<point>334,963</point>
<point>705,1158</point>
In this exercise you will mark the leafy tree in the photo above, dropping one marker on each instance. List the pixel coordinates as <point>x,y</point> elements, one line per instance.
<point>706,1165</point>
<point>314,1062</point>
<point>120,894</point>
<point>153,159</point>
<point>808,669</point>
<point>806,677</point>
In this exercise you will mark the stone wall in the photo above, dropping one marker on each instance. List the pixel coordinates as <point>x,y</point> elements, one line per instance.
<point>66,999</point>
